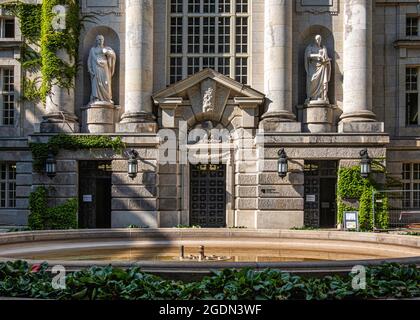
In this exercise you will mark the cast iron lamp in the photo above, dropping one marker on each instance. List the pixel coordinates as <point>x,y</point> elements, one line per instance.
<point>283,166</point>
<point>133,164</point>
<point>365,164</point>
<point>51,165</point>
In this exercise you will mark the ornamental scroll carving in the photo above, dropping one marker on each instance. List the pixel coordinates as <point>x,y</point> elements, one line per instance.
<point>318,6</point>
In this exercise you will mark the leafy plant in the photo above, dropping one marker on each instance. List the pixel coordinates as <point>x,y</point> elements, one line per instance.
<point>18,279</point>
<point>70,142</point>
<point>42,217</point>
<point>351,185</point>
<point>42,44</point>
<point>304,228</point>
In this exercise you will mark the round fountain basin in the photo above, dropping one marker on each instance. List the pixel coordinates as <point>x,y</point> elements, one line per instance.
<point>158,250</point>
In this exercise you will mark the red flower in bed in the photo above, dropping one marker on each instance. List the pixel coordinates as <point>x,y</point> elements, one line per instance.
<point>35,268</point>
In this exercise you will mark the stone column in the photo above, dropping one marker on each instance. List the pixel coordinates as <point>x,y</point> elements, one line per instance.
<point>138,116</point>
<point>357,69</point>
<point>60,116</point>
<point>278,66</point>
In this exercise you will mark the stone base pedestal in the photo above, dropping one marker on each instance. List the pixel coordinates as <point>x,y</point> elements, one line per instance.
<point>138,122</point>
<point>99,117</point>
<point>59,122</point>
<point>318,117</point>
<point>141,127</point>
<point>361,127</point>
<point>280,125</point>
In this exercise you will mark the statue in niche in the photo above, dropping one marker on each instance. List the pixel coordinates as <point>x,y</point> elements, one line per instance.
<point>318,70</point>
<point>101,66</point>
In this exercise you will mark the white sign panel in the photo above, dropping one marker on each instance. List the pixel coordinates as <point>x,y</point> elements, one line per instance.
<point>351,220</point>
<point>310,198</point>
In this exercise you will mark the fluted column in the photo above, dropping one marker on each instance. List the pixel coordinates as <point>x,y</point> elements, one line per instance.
<point>278,59</point>
<point>357,69</point>
<point>138,66</point>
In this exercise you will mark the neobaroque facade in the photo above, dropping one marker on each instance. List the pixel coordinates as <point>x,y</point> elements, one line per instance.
<point>240,66</point>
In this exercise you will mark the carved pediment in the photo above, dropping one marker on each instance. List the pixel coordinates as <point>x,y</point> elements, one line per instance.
<point>205,95</point>
<point>180,88</point>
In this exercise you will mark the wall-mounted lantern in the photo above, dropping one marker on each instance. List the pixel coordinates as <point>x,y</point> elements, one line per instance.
<point>365,164</point>
<point>51,165</point>
<point>133,164</point>
<point>283,166</point>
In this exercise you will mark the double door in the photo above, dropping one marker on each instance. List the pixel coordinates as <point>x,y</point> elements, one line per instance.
<point>208,195</point>
<point>320,194</point>
<point>95,194</point>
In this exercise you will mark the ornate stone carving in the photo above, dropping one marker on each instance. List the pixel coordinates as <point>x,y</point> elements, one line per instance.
<point>208,89</point>
<point>208,100</point>
<point>318,6</point>
<point>102,7</point>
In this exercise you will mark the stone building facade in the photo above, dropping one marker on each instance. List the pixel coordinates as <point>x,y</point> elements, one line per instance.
<point>234,65</point>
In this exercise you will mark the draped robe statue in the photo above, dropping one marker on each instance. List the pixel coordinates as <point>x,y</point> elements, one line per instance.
<point>101,66</point>
<point>318,69</point>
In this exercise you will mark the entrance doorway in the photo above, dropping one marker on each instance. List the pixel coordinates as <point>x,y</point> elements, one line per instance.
<point>208,195</point>
<point>95,194</point>
<point>320,194</point>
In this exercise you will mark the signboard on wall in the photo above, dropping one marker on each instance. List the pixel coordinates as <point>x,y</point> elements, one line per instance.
<point>318,6</point>
<point>351,220</point>
<point>310,198</point>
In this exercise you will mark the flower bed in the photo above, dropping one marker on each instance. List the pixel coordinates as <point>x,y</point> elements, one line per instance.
<point>18,279</point>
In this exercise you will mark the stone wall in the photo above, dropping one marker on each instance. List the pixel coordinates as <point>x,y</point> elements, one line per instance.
<point>134,201</point>
<point>18,216</point>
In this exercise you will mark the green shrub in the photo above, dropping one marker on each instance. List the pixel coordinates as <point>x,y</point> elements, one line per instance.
<point>17,279</point>
<point>72,142</point>
<point>42,217</point>
<point>351,185</point>
<point>37,208</point>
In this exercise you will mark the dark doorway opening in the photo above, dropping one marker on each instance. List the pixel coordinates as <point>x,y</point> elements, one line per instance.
<point>208,195</point>
<point>95,194</point>
<point>320,194</point>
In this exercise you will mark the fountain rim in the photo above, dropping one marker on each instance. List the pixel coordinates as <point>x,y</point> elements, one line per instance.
<point>230,235</point>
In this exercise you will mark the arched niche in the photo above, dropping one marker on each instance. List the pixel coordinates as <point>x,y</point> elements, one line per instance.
<point>306,38</point>
<point>111,40</point>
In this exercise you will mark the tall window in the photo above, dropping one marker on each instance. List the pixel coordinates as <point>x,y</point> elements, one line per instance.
<point>411,181</point>
<point>209,34</point>
<point>412,26</point>
<point>7,27</point>
<point>7,185</point>
<point>7,96</point>
<point>412,96</point>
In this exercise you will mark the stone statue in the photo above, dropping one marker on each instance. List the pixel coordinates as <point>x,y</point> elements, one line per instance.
<point>318,70</point>
<point>101,66</point>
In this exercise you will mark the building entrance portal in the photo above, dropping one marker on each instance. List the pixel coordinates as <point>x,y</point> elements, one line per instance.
<point>95,194</point>
<point>320,194</point>
<point>208,195</point>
